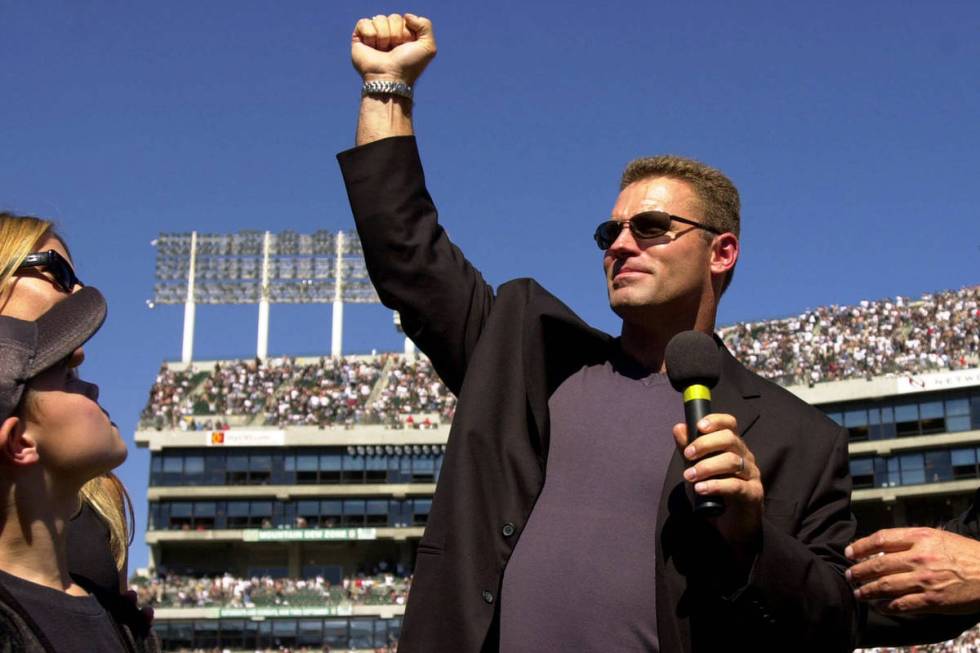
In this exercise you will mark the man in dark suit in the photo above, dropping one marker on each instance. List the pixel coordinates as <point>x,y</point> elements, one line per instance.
<point>562,519</point>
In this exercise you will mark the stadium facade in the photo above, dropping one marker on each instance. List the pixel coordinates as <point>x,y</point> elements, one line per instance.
<point>302,501</point>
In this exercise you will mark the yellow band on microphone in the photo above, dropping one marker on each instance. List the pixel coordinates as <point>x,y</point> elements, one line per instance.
<point>697,392</point>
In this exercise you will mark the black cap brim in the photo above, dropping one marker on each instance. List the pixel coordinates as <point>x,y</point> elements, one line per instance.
<point>67,326</point>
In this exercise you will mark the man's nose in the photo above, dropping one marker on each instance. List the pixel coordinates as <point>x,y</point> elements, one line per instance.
<point>624,241</point>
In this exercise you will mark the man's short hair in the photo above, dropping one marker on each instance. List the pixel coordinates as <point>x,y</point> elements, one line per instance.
<point>717,193</point>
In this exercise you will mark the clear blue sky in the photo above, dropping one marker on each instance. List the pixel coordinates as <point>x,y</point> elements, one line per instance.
<point>851,129</point>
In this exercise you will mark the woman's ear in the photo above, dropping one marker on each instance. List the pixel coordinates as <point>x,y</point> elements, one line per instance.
<point>17,447</point>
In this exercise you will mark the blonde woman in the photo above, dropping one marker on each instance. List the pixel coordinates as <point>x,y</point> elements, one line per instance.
<point>36,272</point>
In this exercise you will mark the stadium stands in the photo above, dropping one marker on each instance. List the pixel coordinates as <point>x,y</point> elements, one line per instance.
<point>939,331</point>
<point>227,591</point>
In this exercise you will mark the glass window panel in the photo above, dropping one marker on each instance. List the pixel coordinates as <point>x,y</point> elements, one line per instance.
<point>237,463</point>
<point>335,634</point>
<point>908,412</point>
<point>238,508</point>
<point>173,464</point>
<point>204,509</point>
<point>856,417</point>
<point>306,463</point>
<point>181,509</point>
<point>353,463</point>
<point>308,508</point>
<point>361,633</point>
<point>963,456</point>
<point>260,462</point>
<point>913,469</point>
<point>861,466</point>
<point>261,508</point>
<point>938,466</point>
<point>283,626</point>
<point>377,507</point>
<point>194,465</point>
<point>958,423</point>
<point>330,462</point>
<point>837,416</point>
<point>354,507</point>
<point>958,406</point>
<point>931,409</point>
<point>156,463</point>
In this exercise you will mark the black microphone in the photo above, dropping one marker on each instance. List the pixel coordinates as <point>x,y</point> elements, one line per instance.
<point>693,367</point>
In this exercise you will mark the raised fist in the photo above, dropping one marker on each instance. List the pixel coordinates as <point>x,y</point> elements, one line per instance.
<point>396,47</point>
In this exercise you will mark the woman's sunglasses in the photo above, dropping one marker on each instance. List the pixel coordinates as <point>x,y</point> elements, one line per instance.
<point>648,224</point>
<point>60,269</point>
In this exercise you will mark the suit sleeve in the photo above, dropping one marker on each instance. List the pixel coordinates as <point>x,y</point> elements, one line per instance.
<point>442,299</point>
<point>797,584</point>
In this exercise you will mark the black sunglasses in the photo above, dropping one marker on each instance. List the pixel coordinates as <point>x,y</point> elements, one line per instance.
<point>648,224</point>
<point>60,269</point>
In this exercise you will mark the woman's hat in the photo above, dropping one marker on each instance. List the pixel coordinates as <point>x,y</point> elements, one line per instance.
<point>28,348</point>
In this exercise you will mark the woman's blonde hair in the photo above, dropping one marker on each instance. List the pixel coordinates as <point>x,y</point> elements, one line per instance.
<point>19,235</point>
<point>108,497</point>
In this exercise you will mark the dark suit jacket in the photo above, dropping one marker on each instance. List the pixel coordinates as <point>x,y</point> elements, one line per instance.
<point>503,354</point>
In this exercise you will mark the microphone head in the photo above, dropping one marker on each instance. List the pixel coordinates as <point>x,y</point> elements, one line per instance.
<point>692,358</point>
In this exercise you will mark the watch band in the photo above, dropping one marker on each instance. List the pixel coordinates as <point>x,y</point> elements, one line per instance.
<point>387,87</point>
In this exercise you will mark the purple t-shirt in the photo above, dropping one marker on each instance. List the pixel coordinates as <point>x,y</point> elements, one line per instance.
<point>581,577</point>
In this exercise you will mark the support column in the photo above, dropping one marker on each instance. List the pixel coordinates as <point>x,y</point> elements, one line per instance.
<point>262,344</point>
<point>187,352</point>
<point>337,330</point>
<point>295,559</point>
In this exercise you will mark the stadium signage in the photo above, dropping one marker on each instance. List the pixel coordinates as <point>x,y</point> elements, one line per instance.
<point>938,381</point>
<point>309,534</point>
<point>286,612</point>
<point>247,438</point>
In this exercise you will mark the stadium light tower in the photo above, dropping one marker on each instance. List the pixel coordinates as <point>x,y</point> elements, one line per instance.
<point>263,268</point>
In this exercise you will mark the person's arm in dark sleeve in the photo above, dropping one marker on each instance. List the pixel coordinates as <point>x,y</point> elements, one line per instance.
<point>442,299</point>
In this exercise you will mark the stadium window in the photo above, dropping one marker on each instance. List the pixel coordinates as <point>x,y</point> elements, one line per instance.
<point>938,466</point>
<point>913,468</point>
<point>438,465</point>
<point>420,514</point>
<point>193,468</point>
<point>886,471</point>
<point>975,410</point>
<point>306,469</point>
<point>284,630</point>
<point>260,514</point>
<point>251,636</point>
<point>233,633</point>
<point>156,469</point>
<point>206,634</point>
<point>259,468</point>
<point>395,474</point>
<point>236,470</point>
<point>907,419</point>
<point>377,512</point>
<point>214,468</point>
<point>856,423</point>
<point>837,416</point>
<point>361,634</point>
<point>204,512</point>
<point>932,417</point>
<point>181,515</point>
<point>376,469</point>
<point>862,472</point>
<point>957,414</point>
<point>353,469</point>
<point>330,466</point>
<point>309,512</point>
<point>964,462</point>
<point>331,513</point>
<point>310,632</point>
<point>173,468</point>
<point>238,514</point>
<point>423,469</point>
<point>335,634</point>
<point>888,430</point>
<point>353,512</point>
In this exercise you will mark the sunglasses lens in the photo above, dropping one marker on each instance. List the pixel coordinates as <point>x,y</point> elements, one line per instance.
<point>650,224</point>
<point>606,233</point>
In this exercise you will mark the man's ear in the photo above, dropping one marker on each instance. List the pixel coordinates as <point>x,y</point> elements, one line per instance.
<point>16,446</point>
<point>724,253</point>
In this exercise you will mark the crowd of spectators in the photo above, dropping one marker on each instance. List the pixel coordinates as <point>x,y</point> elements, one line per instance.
<point>412,387</point>
<point>968,642</point>
<point>939,331</point>
<point>227,591</point>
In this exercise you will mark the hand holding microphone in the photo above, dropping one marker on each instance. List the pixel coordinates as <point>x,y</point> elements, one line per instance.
<point>727,482</point>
